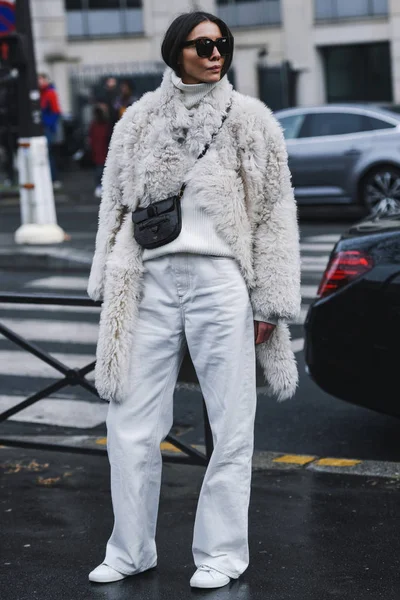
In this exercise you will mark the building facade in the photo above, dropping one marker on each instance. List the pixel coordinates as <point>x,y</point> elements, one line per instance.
<point>287,52</point>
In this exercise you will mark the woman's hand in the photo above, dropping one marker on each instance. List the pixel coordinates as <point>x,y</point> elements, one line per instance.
<point>262,331</point>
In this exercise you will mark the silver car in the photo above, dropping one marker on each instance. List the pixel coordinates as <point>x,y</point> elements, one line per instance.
<point>344,154</point>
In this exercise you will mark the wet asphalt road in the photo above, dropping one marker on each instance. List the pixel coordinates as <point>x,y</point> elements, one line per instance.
<point>312,536</point>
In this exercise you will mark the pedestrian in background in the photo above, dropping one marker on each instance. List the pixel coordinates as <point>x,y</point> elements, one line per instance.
<point>226,284</point>
<point>51,114</point>
<point>107,96</point>
<point>99,139</point>
<point>126,97</point>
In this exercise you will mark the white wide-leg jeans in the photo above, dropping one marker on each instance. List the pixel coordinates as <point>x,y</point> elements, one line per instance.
<point>202,300</point>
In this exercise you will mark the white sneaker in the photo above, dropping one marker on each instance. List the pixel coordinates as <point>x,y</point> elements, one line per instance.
<point>105,574</point>
<point>98,191</point>
<point>205,577</point>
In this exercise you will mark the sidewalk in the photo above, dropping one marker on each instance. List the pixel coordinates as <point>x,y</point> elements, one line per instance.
<point>313,535</point>
<point>77,214</point>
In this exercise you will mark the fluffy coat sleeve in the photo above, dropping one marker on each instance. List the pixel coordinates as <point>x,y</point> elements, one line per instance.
<point>276,294</point>
<point>110,214</point>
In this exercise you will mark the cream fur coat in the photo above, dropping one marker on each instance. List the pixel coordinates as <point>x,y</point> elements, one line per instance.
<point>243,183</point>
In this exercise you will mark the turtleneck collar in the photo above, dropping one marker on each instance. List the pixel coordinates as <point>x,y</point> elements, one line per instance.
<point>192,93</point>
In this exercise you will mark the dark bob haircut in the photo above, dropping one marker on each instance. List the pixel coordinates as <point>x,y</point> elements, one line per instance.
<point>178,32</point>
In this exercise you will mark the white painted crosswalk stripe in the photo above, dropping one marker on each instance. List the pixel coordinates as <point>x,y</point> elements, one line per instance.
<point>21,364</point>
<point>309,291</point>
<point>60,283</point>
<point>313,268</point>
<point>329,237</point>
<point>54,331</point>
<point>62,412</point>
<point>314,264</point>
<point>297,345</point>
<point>316,247</point>
<point>78,310</point>
<point>315,260</point>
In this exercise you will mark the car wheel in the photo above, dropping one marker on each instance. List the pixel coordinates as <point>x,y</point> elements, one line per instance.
<point>380,191</point>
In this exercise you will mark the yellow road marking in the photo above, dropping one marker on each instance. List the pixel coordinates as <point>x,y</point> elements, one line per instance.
<point>290,459</point>
<point>165,446</point>
<point>101,441</point>
<point>337,462</point>
<point>294,459</point>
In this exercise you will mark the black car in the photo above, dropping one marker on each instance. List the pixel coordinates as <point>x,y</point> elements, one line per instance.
<point>352,329</point>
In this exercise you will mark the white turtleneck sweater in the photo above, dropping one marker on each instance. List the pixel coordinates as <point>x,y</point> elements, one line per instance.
<point>198,234</point>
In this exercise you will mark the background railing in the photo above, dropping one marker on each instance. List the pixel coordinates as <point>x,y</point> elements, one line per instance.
<point>77,377</point>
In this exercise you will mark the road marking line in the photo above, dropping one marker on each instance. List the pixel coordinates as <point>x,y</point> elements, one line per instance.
<point>337,462</point>
<point>101,441</point>
<point>78,310</point>
<point>316,247</point>
<point>59,412</point>
<point>315,260</point>
<point>21,364</point>
<point>312,269</point>
<point>164,446</point>
<point>330,237</point>
<point>309,291</point>
<point>167,447</point>
<point>59,283</point>
<point>294,459</point>
<point>297,345</point>
<point>54,331</point>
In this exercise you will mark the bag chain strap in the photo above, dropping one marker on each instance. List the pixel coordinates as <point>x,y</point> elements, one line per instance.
<point>225,116</point>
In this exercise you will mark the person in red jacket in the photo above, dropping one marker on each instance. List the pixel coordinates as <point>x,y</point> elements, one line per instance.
<point>99,139</point>
<point>51,113</point>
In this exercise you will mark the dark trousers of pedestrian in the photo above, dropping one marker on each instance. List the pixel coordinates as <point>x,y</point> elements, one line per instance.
<point>98,174</point>
<point>8,142</point>
<point>50,136</point>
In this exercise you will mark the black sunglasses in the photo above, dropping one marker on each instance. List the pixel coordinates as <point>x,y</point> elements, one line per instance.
<point>205,46</point>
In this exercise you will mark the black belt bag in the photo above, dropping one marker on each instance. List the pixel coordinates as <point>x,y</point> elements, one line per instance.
<point>161,222</point>
<point>158,224</point>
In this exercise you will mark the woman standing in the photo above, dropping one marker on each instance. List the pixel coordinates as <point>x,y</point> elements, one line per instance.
<point>229,281</point>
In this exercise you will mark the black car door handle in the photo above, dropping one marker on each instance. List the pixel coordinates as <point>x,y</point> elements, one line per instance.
<point>352,152</point>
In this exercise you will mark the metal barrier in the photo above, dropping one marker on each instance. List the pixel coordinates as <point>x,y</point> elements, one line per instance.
<point>75,376</point>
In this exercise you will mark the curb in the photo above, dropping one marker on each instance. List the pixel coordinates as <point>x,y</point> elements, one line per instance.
<point>262,461</point>
<point>45,259</point>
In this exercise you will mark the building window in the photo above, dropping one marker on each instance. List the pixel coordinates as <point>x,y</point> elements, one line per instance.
<point>248,13</point>
<point>358,73</point>
<point>105,18</point>
<point>345,9</point>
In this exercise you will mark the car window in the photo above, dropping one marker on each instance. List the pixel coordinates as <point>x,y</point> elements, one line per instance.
<point>334,123</point>
<point>373,124</point>
<point>393,108</point>
<point>291,125</point>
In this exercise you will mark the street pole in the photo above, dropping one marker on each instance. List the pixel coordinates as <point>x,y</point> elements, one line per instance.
<point>38,214</point>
